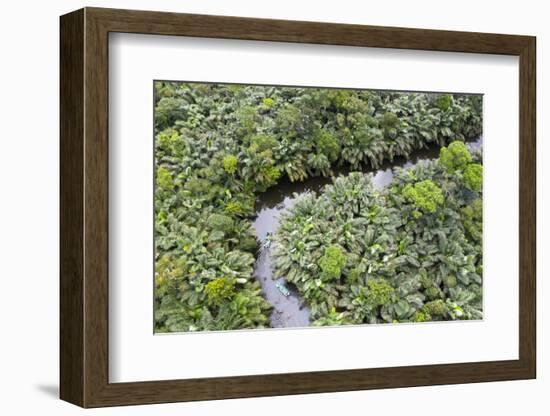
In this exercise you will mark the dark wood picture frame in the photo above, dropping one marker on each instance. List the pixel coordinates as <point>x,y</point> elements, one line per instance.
<point>84,207</point>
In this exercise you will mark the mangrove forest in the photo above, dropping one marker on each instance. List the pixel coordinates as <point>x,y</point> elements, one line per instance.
<point>298,206</point>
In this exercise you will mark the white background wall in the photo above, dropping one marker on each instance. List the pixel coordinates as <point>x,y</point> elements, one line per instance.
<point>29,209</point>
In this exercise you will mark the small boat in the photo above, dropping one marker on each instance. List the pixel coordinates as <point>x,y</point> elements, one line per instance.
<point>267,243</point>
<point>282,288</point>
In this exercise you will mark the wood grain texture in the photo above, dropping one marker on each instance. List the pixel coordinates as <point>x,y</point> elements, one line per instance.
<point>527,208</point>
<point>71,218</point>
<point>96,208</point>
<point>84,207</point>
<point>226,27</point>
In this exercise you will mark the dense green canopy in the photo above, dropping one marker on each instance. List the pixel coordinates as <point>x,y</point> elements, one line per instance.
<point>217,146</point>
<point>409,252</point>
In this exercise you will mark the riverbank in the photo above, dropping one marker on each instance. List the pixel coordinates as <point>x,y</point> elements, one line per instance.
<point>290,310</point>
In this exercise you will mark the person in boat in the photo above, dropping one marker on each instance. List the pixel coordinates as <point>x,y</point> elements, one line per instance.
<point>282,288</point>
<point>267,243</point>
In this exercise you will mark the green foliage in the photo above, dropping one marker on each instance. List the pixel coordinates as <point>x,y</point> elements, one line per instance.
<point>268,102</point>
<point>444,102</point>
<point>354,275</point>
<point>168,110</point>
<point>247,118</point>
<point>230,164</point>
<point>390,120</point>
<point>473,176</point>
<point>455,157</point>
<point>380,291</point>
<point>436,308</point>
<point>260,143</point>
<point>167,138</point>
<point>288,119</point>
<point>332,318</point>
<point>422,316</point>
<point>217,146</point>
<point>390,124</point>
<point>164,179</point>
<point>472,218</point>
<point>332,262</point>
<point>327,145</point>
<point>248,244</point>
<point>395,269</point>
<point>425,195</point>
<point>272,175</point>
<point>239,208</point>
<point>432,292</point>
<point>450,281</point>
<point>219,290</point>
<point>234,207</point>
<point>220,222</point>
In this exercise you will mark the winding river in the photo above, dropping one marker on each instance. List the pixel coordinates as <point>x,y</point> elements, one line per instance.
<point>288,308</point>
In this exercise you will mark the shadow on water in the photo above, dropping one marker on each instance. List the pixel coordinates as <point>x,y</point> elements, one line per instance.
<point>288,308</point>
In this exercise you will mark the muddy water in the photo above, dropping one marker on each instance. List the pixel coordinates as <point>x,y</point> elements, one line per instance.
<point>290,311</point>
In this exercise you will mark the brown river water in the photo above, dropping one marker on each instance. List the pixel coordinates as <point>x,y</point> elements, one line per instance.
<point>290,311</point>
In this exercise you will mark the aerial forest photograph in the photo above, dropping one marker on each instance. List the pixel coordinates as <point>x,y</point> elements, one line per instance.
<point>293,207</point>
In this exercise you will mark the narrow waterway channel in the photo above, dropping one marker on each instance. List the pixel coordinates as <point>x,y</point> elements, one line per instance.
<point>288,307</point>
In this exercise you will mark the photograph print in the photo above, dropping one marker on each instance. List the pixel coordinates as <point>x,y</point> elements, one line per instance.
<point>294,207</point>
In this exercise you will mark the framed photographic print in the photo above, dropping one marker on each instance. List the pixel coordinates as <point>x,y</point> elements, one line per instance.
<point>255,207</point>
